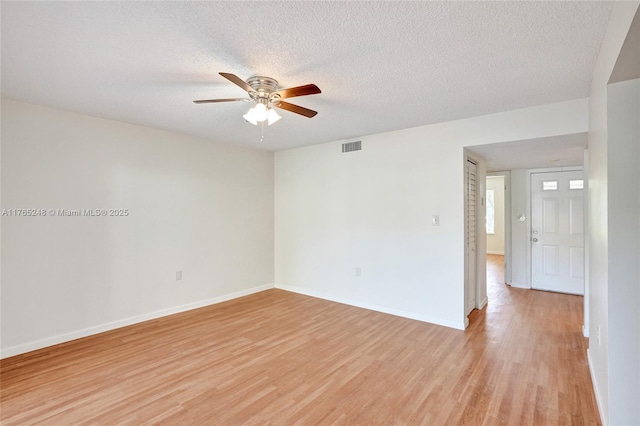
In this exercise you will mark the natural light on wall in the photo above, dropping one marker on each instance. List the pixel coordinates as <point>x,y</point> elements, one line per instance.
<point>491,215</point>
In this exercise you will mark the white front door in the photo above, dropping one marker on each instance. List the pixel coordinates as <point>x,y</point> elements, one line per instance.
<point>557,232</point>
<point>470,299</point>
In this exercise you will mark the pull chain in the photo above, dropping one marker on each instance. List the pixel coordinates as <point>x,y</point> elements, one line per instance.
<point>261,132</point>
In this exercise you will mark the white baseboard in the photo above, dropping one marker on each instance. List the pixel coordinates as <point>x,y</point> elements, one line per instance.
<point>432,320</point>
<point>519,285</point>
<point>483,303</point>
<point>66,337</point>
<point>501,253</point>
<point>596,390</point>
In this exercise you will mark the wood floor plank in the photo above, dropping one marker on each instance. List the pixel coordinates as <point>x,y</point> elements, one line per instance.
<point>280,358</point>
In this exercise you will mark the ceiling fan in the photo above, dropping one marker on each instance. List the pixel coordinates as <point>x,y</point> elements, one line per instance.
<point>266,95</point>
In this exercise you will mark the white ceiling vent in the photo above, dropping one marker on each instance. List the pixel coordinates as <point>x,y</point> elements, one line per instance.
<point>351,146</point>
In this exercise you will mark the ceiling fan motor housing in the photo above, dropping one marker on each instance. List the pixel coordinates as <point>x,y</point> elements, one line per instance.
<point>263,88</point>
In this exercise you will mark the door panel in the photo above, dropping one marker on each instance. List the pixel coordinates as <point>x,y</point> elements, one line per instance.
<point>576,224</point>
<point>557,232</point>
<point>576,259</point>
<point>550,263</point>
<point>550,218</point>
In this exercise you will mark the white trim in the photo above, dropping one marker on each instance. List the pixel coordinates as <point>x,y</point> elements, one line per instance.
<point>557,169</point>
<point>585,331</point>
<point>372,307</point>
<point>89,331</point>
<point>483,303</point>
<point>594,383</point>
<point>518,285</point>
<point>501,253</point>
<point>586,312</point>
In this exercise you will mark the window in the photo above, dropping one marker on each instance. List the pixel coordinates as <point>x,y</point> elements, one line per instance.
<point>576,184</point>
<point>550,185</point>
<point>491,213</point>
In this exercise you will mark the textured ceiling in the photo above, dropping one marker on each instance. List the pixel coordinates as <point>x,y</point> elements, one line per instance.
<point>556,151</point>
<point>381,65</point>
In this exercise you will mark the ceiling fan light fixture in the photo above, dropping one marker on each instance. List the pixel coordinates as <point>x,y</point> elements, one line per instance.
<point>260,112</point>
<point>272,116</point>
<point>250,117</point>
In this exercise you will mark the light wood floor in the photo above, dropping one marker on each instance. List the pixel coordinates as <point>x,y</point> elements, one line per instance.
<point>283,358</point>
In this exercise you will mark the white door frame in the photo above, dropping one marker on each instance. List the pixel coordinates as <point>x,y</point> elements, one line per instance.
<point>585,309</point>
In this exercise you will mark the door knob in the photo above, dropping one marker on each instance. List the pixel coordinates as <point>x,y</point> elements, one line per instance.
<point>535,240</point>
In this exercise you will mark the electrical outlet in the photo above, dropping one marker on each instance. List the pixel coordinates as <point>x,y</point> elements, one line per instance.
<point>358,271</point>
<point>178,275</point>
<point>435,220</point>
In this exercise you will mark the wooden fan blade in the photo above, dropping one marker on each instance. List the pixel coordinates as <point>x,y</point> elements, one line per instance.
<point>237,81</point>
<point>292,92</point>
<point>211,101</point>
<point>296,108</point>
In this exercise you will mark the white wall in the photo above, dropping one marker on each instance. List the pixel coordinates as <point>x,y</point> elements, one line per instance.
<point>372,209</point>
<point>599,208</point>
<point>194,205</point>
<point>624,251</point>
<point>495,242</point>
<point>520,240</point>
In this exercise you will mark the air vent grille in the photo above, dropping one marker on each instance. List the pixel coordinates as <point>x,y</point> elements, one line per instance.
<point>351,146</point>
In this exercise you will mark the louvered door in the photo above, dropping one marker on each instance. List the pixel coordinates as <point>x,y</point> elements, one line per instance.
<point>470,233</point>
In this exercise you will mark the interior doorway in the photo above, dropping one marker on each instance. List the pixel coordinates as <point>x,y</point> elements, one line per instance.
<point>496,231</point>
<point>498,227</point>
<point>495,216</point>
